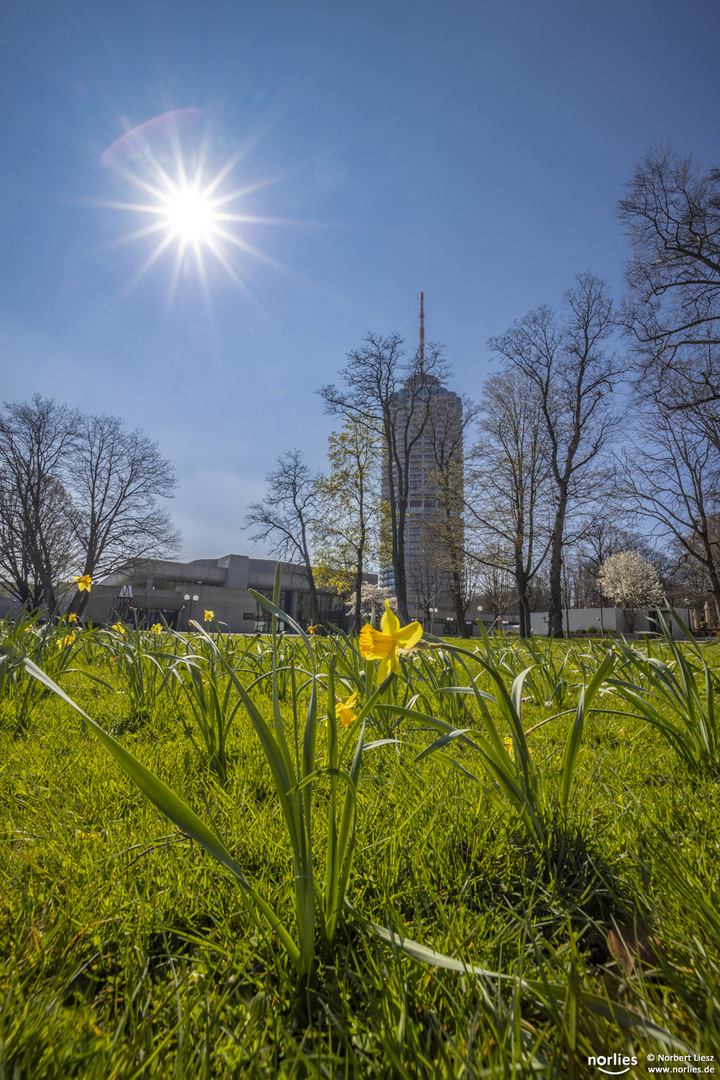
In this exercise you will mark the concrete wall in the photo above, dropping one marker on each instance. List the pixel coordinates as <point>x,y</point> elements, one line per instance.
<point>597,619</point>
<point>601,619</point>
<point>9,607</point>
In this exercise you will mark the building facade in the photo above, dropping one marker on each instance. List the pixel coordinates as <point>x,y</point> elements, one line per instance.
<point>429,422</point>
<point>177,592</point>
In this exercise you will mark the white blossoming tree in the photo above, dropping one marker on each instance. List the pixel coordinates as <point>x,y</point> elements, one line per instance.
<point>372,602</point>
<point>631,582</point>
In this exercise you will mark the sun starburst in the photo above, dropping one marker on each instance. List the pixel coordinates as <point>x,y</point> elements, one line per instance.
<point>190,215</point>
<point>190,210</point>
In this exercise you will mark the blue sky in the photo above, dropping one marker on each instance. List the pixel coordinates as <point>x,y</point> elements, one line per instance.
<point>472,150</point>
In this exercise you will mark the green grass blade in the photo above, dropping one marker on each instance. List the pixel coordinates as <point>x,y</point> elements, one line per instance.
<point>593,1003</point>
<point>572,746</point>
<point>169,804</point>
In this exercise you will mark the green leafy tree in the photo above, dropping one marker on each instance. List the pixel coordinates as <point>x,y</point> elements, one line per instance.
<point>345,529</point>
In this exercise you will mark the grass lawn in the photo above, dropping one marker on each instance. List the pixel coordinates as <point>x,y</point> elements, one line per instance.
<point>127,950</point>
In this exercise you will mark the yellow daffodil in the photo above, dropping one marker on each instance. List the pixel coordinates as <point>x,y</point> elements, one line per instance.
<point>209,616</point>
<point>72,617</point>
<point>510,747</point>
<point>156,628</point>
<point>67,640</point>
<point>386,643</point>
<point>83,583</point>
<point>312,630</point>
<point>118,628</point>
<point>346,710</point>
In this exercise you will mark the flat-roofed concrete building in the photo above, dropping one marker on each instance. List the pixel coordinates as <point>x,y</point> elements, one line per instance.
<point>180,591</point>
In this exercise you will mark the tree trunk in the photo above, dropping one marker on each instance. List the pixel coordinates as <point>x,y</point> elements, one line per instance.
<point>714,584</point>
<point>524,609</point>
<point>399,567</point>
<point>524,613</point>
<point>397,505</point>
<point>358,594</point>
<point>314,606</point>
<point>78,603</point>
<point>80,599</point>
<point>48,592</point>
<point>555,609</point>
<point>522,591</point>
<point>360,557</point>
<point>458,602</point>
<point>521,580</point>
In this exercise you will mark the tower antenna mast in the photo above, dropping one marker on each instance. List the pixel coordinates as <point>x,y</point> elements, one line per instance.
<point>422,333</point>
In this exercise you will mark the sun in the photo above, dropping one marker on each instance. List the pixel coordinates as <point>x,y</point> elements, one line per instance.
<point>184,202</point>
<point>189,214</point>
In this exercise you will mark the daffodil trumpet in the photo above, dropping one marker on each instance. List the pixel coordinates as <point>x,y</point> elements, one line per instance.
<point>389,642</point>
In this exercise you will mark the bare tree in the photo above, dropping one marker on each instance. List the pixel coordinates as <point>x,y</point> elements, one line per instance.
<point>671,212</point>
<point>33,563</point>
<point>287,516</point>
<point>427,576</point>
<point>673,477</point>
<point>565,362</point>
<point>496,589</point>
<point>686,579</point>
<point>608,533</point>
<point>509,507</point>
<point>383,392</point>
<point>117,478</point>
<point>36,516</point>
<point>76,491</point>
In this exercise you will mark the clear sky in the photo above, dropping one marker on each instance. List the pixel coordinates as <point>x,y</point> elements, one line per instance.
<point>472,149</point>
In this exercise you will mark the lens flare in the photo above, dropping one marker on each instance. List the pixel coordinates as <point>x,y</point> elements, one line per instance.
<point>166,160</point>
